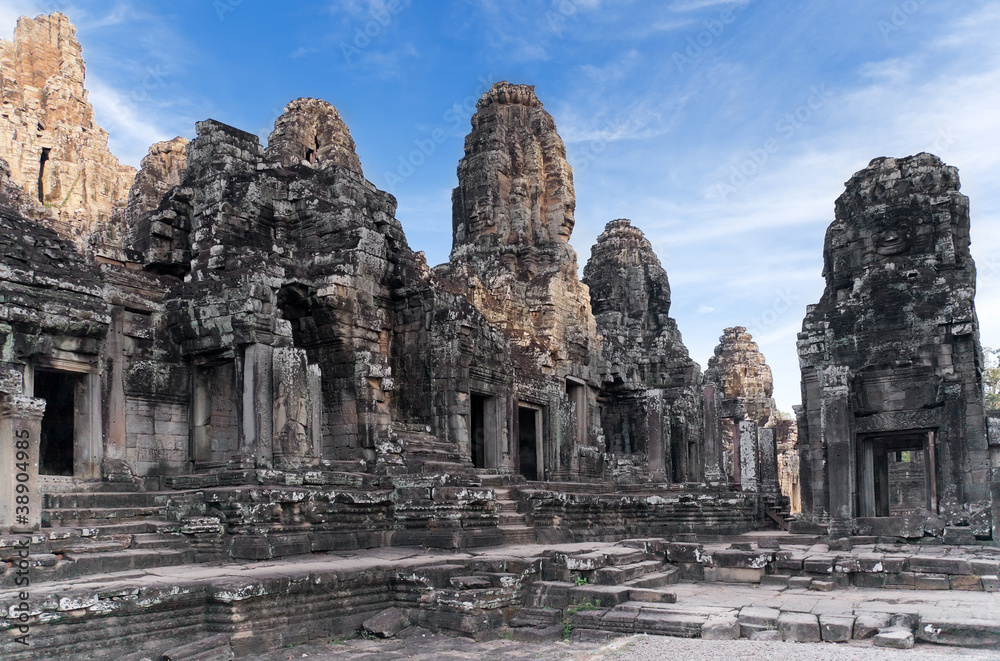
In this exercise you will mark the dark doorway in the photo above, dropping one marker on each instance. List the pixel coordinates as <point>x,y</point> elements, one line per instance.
<point>527,442</point>
<point>678,450</point>
<point>897,473</point>
<point>57,434</point>
<point>477,439</point>
<point>41,173</point>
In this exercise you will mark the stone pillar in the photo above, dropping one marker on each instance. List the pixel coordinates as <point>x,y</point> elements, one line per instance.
<point>20,496</point>
<point>768,446</point>
<point>713,437</point>
<point>748,456</point>
<point>114,440</point>
<point>838,437</point>
<point>256,428</point>
<point>293,446</point>
<point>315,381</point>
<point>655,436</point>
<point>201,416</point>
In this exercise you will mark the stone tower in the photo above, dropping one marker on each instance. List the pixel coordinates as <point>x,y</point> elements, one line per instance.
<point>55,149</point>
<point>892,418</point>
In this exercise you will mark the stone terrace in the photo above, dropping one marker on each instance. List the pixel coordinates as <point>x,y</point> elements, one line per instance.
<point>754,586</point>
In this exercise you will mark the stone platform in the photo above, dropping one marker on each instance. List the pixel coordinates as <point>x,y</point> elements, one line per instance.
<point>590,591</point>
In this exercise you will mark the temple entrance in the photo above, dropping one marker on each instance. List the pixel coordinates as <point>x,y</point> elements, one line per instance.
<point>897,473</point>
<point>56,440</point>
<point>483,431</point>
<point>529,442</point>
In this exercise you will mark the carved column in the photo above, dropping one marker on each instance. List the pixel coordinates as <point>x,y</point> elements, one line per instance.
<point>713,437</point>
<point>20,496</point>
<point>768,446</point>
<point>748,456</point>
<point>256,428</point>
<point>838,437</point>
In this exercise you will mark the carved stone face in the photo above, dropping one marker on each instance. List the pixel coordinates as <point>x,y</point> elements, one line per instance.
<point>893,238</point>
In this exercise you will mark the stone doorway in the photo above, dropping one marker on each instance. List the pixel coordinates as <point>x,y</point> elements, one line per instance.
<point>897,473</point>
<point>529,442</point>
<point>483,431</point>
<point>57,436</point>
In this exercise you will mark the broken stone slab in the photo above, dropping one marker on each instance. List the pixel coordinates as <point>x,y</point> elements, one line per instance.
<point>799,627</point>
<point>721,627</point>
<point>821,586</point>
<point>757,618</point>
<point>896,638</point>
<point>959,631</point>
<point>836,628</point>
<point>867,625</point>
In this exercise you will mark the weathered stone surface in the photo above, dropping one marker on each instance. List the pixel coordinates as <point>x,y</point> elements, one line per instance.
<point>310,131</point>
<point>48,134</point>
<point>387,623</point>
<point>894,638</point>
<point>642,349</point>
<point>836,628</point>
<point>891,350</point>
<point>799,627</point>
<point>721,627</point>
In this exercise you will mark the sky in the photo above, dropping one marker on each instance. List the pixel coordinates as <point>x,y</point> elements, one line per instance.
<point>724,129</point>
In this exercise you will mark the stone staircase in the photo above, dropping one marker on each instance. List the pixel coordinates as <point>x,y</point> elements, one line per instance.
<point>513,524</point>
<point>579,590</point>
<point>425,453</point>
<point>96,532</point>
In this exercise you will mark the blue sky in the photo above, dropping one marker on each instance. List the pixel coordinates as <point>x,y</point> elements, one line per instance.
<point>724,129</point>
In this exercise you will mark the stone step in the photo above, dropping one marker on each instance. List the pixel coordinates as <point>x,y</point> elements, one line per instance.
<point>213,648</point>
<point>622,573</point>
<point>98,514</point>
<point>75,565</point>
<point>155,540</point>
<point>656,580</point>
<point>511,519</point>
<point>518,535</point>
<point>102,499</point>
<point>536,617</point>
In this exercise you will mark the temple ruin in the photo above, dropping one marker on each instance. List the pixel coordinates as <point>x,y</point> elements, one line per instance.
<point>233,355</point>
<point>892,430</point>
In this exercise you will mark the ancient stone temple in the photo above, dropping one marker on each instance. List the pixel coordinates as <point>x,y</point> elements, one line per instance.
<point>240,359</point>
<point>892,419</point>
<point>651,408</point>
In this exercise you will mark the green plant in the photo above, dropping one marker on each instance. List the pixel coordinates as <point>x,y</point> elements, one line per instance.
<point>507,634</point>
<point>582,580</point>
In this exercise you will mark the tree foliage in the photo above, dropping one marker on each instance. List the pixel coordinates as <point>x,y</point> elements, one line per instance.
<point>991,378</point>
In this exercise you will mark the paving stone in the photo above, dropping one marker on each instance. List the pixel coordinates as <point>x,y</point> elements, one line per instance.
<point>867,625</point>
<point>774,580</point>
<point>931,582</point>
<point>799,627</point>
<point>721,627</point>
<point>894,638</point>
<point>965,582</point>
<point>766,634</point>
<point>836,628</point>
<point>800,582</point>
<point>821,586</point>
